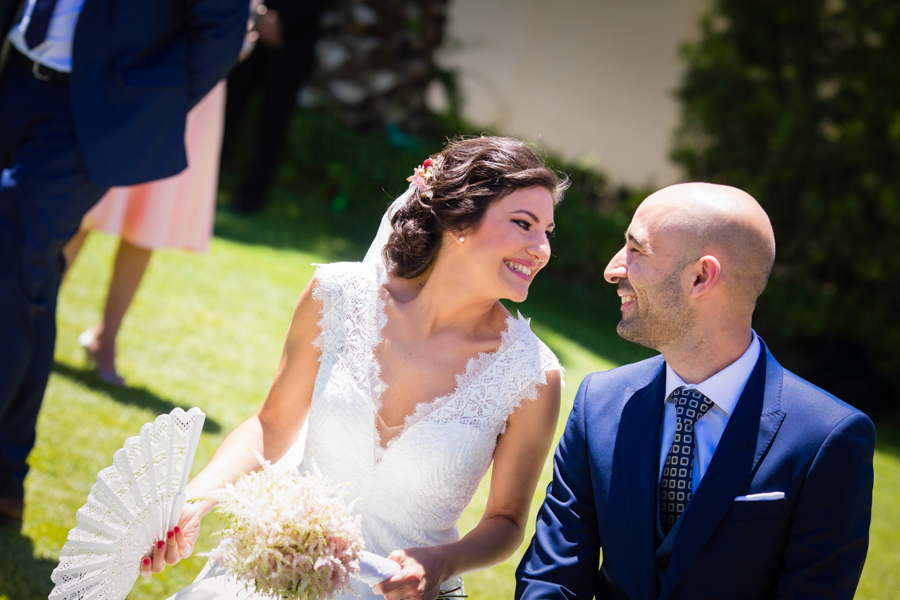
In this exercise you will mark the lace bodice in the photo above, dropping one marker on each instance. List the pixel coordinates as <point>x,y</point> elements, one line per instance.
<point>412,492</point>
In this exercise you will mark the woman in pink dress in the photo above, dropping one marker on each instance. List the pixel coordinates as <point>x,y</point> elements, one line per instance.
<point>176,212</point>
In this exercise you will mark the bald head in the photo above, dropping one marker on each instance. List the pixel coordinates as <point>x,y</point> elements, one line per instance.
<point>708,219</point>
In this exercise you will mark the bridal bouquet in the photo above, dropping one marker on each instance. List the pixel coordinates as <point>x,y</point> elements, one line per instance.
<point>288,535</point>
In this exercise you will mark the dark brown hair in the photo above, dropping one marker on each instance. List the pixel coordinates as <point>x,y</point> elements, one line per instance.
<point>473,173</point>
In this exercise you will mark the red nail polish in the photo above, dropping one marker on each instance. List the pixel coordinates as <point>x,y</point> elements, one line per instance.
<point>170,534</point>
<point>177,530</point>
<point>160,544</point>
<point>146,562</point>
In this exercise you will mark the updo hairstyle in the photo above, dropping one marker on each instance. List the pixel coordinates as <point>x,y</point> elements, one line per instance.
<point>472,174</point>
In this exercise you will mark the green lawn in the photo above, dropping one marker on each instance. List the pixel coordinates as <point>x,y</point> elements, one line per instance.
<point>206,330</point>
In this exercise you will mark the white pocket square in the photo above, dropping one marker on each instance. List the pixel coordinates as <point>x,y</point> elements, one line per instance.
<point>758,497</point>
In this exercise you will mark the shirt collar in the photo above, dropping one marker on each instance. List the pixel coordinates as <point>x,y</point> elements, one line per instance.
<point>725,387</point>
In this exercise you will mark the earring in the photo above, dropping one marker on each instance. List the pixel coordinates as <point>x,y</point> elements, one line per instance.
<point>462,238</point>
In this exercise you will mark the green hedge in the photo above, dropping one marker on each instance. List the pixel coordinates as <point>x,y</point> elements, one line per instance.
<point>798,102</point>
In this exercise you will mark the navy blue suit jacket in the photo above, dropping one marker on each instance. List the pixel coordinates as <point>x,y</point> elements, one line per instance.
<point>138,66</point>
<point>785,435</point>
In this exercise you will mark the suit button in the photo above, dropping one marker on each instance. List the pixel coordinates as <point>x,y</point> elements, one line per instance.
<point>663,562</point>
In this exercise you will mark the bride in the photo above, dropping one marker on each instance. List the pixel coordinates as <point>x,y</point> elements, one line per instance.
<point>414,377</point>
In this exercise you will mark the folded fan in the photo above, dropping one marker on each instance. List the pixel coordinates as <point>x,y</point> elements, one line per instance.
<point>133,503</point>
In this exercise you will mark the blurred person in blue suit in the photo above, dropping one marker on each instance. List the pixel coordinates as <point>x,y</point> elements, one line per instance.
<point>709,471</point>
<point>93,94</point>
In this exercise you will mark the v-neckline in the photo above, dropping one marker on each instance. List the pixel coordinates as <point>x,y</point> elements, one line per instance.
<point>475,366</point>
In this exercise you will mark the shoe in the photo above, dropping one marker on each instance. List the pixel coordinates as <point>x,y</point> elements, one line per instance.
<point>11,513</point>
<point>86,341</point>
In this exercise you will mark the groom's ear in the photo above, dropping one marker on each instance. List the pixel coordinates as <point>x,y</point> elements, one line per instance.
<point>706,275</point>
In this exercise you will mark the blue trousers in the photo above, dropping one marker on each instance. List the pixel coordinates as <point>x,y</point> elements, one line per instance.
<point>45,190</point>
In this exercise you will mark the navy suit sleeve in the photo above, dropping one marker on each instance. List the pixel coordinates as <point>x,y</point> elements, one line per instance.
<point>216,31</point>
<point>564,555</point>
<point>829,532</point>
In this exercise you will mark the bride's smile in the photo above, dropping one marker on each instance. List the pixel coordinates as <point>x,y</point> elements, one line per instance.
<point>520,267</point>
<point>504,252</point>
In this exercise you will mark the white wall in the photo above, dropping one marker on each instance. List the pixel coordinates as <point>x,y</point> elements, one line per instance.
<point>591,79</point>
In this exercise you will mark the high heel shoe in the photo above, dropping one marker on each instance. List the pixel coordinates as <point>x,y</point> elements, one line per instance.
<point>86,341</point>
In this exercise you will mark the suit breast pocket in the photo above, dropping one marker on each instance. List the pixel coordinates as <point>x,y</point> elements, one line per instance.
<point>157,76</point>
<point>763,510</point>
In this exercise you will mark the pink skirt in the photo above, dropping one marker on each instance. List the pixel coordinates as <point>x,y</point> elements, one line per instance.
<point>176,212</point>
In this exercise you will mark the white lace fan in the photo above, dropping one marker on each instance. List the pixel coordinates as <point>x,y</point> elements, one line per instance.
<point>134,503</point>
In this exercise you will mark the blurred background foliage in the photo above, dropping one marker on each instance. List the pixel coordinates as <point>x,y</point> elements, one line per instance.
<point>796,102</point>
<point>376,60</point>
<point>799,104</point>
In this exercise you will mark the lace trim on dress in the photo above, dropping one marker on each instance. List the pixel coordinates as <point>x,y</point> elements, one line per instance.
<point>476,368</point>
<point>480,362</point>
<point>378,321</point>
<point>345,317</point>
<point>492,385</point>
<point>548,362</point>
<point>323,295</point>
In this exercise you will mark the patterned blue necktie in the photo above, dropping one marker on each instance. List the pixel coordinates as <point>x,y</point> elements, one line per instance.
<point>39,23</point>
<point>676,483</point>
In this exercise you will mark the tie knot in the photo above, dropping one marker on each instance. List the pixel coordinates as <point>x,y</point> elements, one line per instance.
<point>690,404</point>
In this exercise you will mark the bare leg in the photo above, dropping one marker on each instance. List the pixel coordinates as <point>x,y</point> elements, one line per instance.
<point>73,247</point>
<point>130,266</point>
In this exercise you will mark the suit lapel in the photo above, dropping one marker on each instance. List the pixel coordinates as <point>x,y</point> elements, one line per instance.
<point>750,430</point>
<point>637,463</point>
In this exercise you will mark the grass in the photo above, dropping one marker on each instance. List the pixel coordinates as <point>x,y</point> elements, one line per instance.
<point>206,330</point>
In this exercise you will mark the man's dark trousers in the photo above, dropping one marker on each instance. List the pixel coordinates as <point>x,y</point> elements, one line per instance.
<point>44,193</point>
<point>277,73</point>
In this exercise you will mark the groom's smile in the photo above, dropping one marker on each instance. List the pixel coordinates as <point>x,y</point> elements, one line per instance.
<point>647,272</point>
<point>628,299</point>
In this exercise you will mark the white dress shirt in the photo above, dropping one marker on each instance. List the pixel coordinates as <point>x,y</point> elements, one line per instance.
<point>56,50</point>
<point>724,389</point>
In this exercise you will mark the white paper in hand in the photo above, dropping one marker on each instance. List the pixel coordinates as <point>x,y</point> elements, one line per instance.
<point>375,569</point>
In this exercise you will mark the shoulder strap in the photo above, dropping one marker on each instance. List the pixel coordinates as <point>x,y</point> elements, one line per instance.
<point>527,362</point>
<point>348,293</point>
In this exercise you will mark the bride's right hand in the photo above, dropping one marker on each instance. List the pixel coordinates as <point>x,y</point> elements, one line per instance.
<point>179,543</point>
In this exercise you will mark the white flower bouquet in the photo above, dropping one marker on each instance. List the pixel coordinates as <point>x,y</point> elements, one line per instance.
<point>290,536</point>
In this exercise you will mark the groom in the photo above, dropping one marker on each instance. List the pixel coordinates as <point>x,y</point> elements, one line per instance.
<point>709,471</point>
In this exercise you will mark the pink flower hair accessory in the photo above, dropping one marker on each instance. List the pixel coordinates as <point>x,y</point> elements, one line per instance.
<point>423,176</point>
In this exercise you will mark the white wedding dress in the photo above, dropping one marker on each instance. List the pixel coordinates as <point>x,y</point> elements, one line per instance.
<point>413,491</point>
